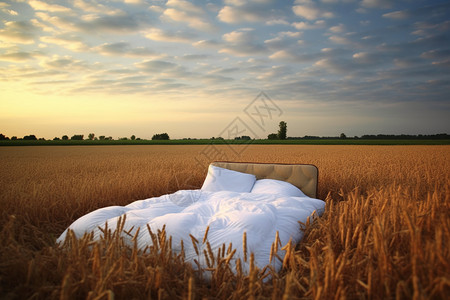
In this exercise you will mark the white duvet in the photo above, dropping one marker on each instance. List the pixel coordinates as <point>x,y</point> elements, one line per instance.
<point>228,215</point>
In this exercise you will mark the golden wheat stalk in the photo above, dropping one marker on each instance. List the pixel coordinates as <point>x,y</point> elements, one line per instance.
<point>244,245</point>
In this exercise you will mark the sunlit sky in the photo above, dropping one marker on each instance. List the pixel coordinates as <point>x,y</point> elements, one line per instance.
<point>189,68</point>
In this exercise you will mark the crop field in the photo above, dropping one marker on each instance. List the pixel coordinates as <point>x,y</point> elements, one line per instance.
<point>385,233</point>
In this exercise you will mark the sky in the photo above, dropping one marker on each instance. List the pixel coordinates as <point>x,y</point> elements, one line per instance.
<point>224,68</point>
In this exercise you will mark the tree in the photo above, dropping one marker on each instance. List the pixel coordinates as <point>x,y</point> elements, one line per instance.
<point>244,137</point>
<point>77,137</point>
<point>343,136</point>
<point>30,137</point>
<point>133,137</point>
<point>282,133</point>
<point>3,137</point>
<point>272,136</point>
<point>91,136</point>
<point>65,138</point>
<point>161,136</point>
<point>101,138</point>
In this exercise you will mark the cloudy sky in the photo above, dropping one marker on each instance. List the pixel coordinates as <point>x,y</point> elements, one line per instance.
<point>192,68</point>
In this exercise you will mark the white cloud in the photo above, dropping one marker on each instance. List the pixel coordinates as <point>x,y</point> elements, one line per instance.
<point>307,12</point>
<point>207,44</point>
<point>42,6</point>
<point>397,15</point>
<point>283,55</point>
<point>340,40</point>
<point>236,2</point>
<point>283,40</point>
<point>10,12</point>
<point>56,22</point>
<point>94,7</point>
<point>58,62</point>
<point>119,23</point>
<point>156,8</point>
<point>277,22</point>
<point>237,36</point>
<point>338,28</point>
<point>334,65</point>
<point>135,2</point>
<point>310,11</point>
<point>18,56</point>
<point>46,28</point>
<point>186,6</point>
<point>185,11</point>
<point>241,43</point>
<point>377,3</point>
<point>363,57</point>
<point>290,34</point>
<point>305,26</point>
<point>169,36</point>
<point>69,41</point>
<point>294,56</point>
<point>156,66</point>
<point>230,14</point>
<point>124,49</point>
<point>196,22</point>
<point>22,32</point>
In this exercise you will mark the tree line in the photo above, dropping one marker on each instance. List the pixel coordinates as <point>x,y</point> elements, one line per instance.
<point>80,137</point>
<point>280,135</point>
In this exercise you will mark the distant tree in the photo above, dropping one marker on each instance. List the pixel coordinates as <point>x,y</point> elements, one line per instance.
<point>133,137</point>
<point>56,138</point>
<point>91,136</point>
<point>30,137</point>
<point>101,138</point>
<point>282,132</point>
<point>3,137</point>
<point>161,136</point>
<point>244,137</point>
<point>65,137</point>
<point>272,136</point>
<point>77,137</point>
<point>14,138</point>
<point>343,136</point>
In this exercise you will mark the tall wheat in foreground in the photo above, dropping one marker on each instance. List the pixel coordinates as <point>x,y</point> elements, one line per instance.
<point>384,234</point>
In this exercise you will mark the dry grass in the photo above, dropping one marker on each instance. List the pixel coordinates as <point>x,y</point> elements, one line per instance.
<point>385,232</point>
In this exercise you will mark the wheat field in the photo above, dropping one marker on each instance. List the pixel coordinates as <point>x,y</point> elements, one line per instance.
<point>385,233</point>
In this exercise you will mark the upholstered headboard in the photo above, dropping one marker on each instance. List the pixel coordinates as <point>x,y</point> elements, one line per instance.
<point>304,177</point>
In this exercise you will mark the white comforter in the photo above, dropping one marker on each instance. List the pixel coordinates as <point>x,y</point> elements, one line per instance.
<point>228,214</point>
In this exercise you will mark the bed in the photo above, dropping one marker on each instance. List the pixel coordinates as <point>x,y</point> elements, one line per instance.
<point>261,202</point>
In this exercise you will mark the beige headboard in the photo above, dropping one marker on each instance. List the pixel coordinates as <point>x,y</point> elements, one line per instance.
<point>304,177</point>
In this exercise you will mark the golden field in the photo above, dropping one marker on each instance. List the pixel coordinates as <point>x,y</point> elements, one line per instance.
<point>385,233</point>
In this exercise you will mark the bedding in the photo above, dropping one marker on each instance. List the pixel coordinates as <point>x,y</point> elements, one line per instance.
<point>220,179</point>
<point>228,214</point>
<point>273,186</point>
<point>229,204</point>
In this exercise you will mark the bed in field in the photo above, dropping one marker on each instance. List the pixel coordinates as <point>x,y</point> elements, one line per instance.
<point>263,203</point>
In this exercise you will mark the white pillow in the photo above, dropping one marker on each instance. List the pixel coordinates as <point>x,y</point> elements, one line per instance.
<point>220,179</point>
<point>272,186</point>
